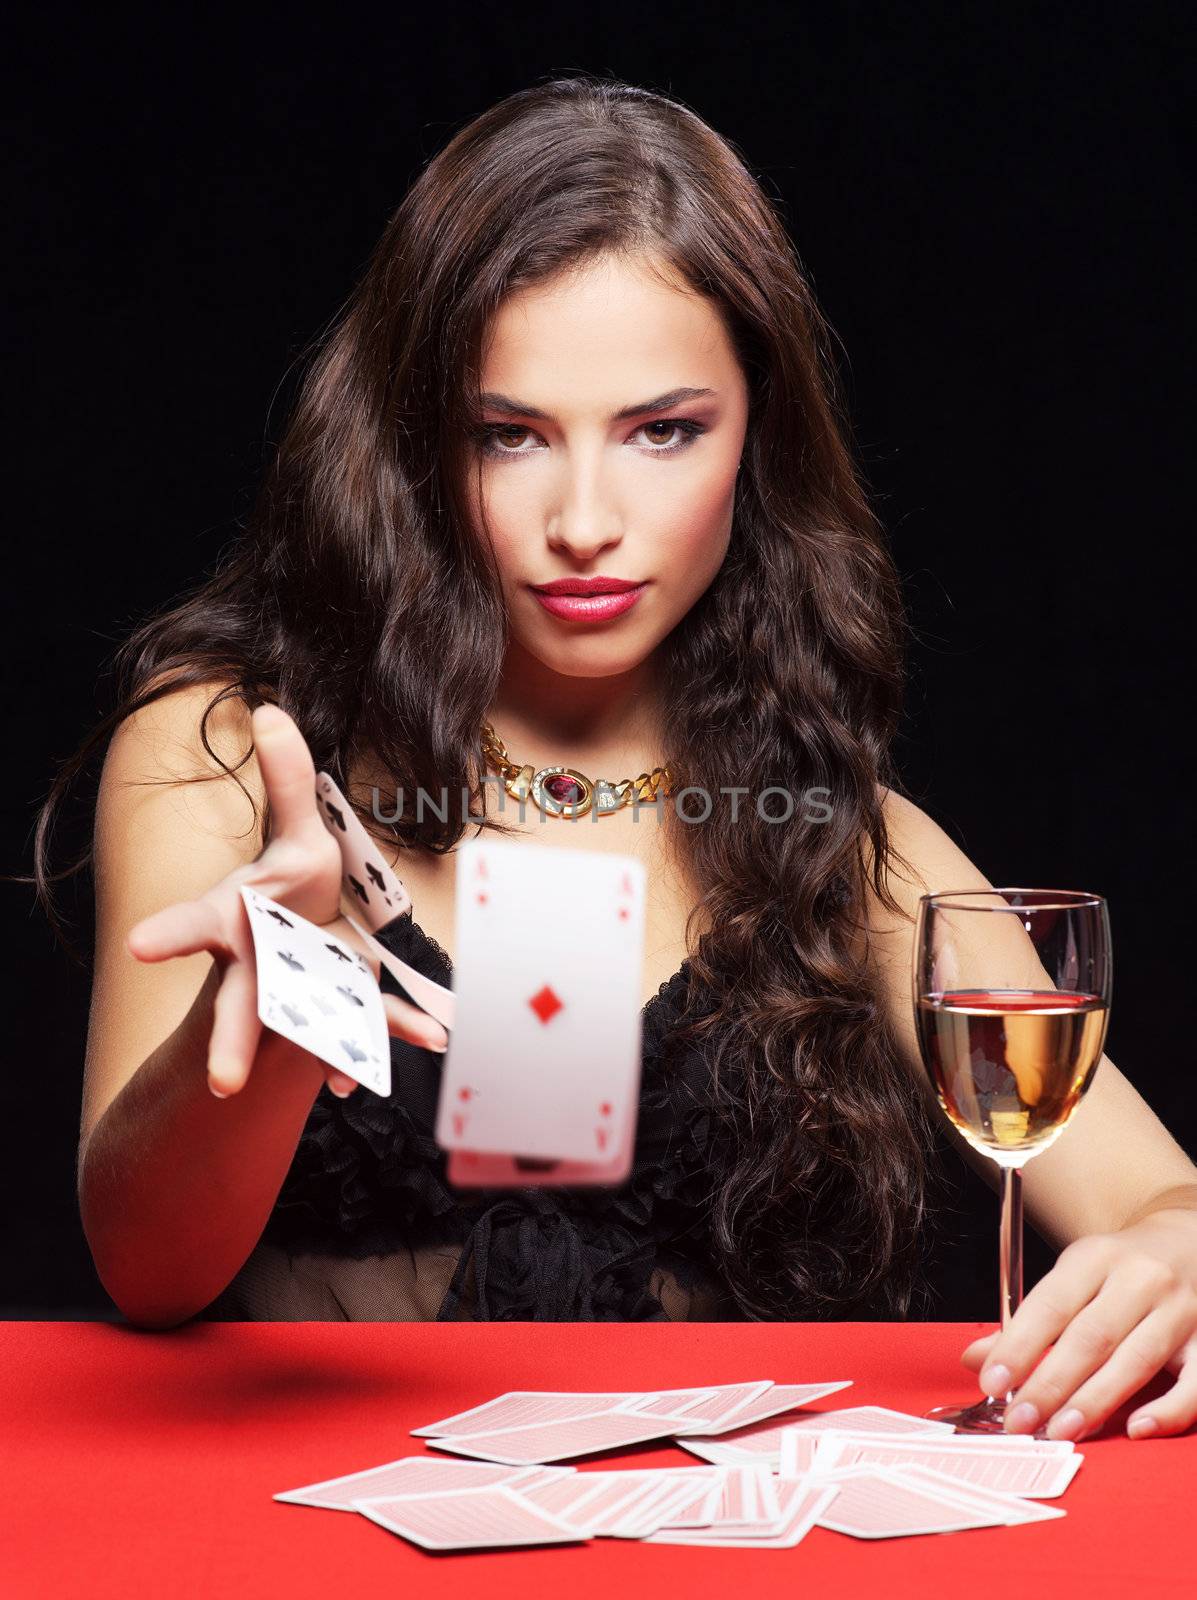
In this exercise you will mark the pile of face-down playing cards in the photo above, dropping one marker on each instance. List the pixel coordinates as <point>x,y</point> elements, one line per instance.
<point>541,1081</point>
<point>774,1471</point>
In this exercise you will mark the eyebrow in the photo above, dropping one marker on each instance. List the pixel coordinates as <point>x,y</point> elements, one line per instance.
<point>663,402</point>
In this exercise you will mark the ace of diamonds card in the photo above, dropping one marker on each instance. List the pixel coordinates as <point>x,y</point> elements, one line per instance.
<point>544,1058</point>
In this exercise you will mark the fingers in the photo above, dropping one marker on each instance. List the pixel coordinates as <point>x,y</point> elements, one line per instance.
<point>236,1030</point>
<point>183,929</point>
<point>340,1084</point>
<point>975,1354</point>
<point>288,771</point>
<point>405,1021</point>
<point>1098,1340</point>
<point>1135,1362</point>
<point>1103,1354</point>
<point>1044,1314</point>
<point>1176,1409</point>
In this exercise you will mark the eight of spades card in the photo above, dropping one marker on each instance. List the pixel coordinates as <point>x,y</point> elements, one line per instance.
<point>319,992</point>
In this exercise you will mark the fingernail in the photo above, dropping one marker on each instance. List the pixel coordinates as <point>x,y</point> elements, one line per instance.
<point>1067,1425</point>
<point>1142,1427</point>
<point>269,716</point>
<point>342,1094</point>
<point>1024,1415</point>
<point>221,1094</point>
<point>996,1381</point>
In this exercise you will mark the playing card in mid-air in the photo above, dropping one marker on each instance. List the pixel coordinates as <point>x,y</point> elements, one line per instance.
<point>318,992</point>
<point>472,1169</point>
<point>372,888</point>
<point>544,1059</point>
<point>373,892</point>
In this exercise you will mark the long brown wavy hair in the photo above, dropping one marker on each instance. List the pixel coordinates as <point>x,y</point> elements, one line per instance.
<point>358,597</point>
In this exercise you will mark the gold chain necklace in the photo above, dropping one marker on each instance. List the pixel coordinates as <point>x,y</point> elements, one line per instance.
<point>565,792</point>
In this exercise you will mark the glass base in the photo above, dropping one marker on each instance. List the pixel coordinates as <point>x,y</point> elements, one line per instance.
<point>986,1416</point>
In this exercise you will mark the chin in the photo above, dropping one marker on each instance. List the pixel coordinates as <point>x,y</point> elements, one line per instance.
<point>590,658</point>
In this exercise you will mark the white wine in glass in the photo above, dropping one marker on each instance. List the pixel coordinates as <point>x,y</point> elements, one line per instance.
<point>1011,1002</point>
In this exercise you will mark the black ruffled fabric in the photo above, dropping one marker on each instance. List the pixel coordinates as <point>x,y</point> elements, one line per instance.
<point>369,1179</point>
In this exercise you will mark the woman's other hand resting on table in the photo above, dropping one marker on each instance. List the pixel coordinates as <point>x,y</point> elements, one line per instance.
<point>1114,1310</point>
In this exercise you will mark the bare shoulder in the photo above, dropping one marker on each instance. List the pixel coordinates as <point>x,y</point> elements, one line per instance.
<point>922,859</point>
<point>158,752</point>
<point>170,732</point>
<point>161,837</point>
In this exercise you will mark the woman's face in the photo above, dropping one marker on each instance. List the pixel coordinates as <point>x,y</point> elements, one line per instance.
<point>613,419</point>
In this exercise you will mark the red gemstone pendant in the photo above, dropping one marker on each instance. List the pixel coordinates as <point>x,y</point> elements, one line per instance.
<point>562,792</point>
<point>564,789</point>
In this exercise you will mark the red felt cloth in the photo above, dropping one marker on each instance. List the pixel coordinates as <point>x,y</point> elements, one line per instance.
<point>142,1464</point>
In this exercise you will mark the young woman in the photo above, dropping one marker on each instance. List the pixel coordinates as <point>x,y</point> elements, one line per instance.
<point>583,357</point>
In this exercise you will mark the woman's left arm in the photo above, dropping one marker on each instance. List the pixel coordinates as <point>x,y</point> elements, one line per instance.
<point>1116,1194</point>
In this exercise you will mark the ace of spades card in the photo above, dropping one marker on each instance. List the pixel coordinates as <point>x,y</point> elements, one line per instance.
<point>318,992</point>
<point>544,1058</point>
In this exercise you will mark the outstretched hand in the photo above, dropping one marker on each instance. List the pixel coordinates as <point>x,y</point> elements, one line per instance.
<point>1116,1309</point>
<point>300,867</point>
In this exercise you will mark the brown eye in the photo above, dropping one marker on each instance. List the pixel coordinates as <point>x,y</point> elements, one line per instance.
<point>503,439</point>
<point>511,436</point>
<point>657,434</point>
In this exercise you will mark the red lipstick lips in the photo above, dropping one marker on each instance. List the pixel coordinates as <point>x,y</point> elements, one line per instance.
<point>598,585</point>
<point>588,599</point>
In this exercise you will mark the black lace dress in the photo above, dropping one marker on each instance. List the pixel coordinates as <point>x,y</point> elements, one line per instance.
<point>367,1228</point>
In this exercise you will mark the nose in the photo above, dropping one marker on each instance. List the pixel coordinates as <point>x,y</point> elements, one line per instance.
<point>585,519</point>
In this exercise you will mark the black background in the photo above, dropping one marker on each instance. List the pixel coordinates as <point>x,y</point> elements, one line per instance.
<point>993,205</point>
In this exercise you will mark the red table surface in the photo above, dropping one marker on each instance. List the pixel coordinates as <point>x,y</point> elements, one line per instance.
<point>143,1464</point>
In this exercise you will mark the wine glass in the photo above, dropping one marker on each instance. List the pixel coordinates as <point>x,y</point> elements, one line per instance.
<point>1011,1002</point>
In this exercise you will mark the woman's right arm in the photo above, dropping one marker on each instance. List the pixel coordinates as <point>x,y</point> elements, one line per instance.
<point>191,1109</point>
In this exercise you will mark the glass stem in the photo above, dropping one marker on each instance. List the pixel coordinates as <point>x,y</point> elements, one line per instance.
<point>1010,1247</point>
